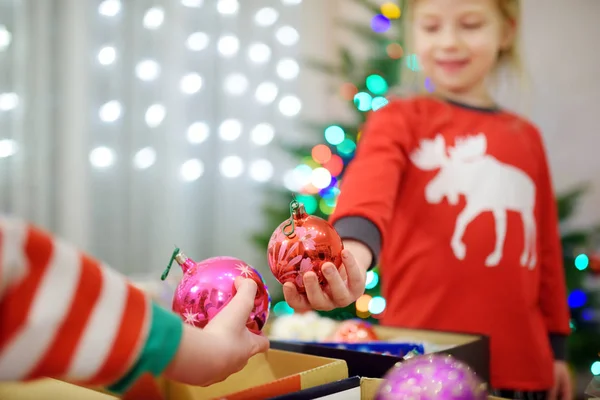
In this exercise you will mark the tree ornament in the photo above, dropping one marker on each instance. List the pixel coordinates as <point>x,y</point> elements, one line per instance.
<point>354,331</point>
<point>301,244</point>
<point>431,377</point>
<point>207,287</point>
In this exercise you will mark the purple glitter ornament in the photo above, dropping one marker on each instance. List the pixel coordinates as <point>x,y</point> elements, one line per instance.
<point>431,377</point>
<point>207,287</point>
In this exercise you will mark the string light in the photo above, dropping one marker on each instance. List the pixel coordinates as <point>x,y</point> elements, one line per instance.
<point>144,158</point>
<point>334,135</point>
<point>236,84</point>
<point>154,18</point>
<point>347,147</point>
<point>362,101</point>
<point>198,132</point>
<point>197,41</point>
<point>595,368</point>
<point>376,84</point>
<point>107,55</point>
<point>8,101</point>
<point>147,70</point>
<point>109,8</point>
<point>231,167</point>
<point>372,280</point>
<point>335,165</point>
<point>376,104</point>
<point>261,170</point>
<point>262,134</point>
<point>577,299</point>
<point>582,261</point>
<point>390,10</point>
<point>228,45</point>
<point>190,83</point>
<point>282,308</point>
<point>266,16</point>
<point>290,106</point>
<point>394,51</point>
<point>109,112</point>
<point>380,24</point>
<point>227,7</point>
<point>8,147</point>
<point>155,114</point>
<point>259,53</point>
<point>287,36</point>
<point>266,92</point>
<point>230,130</point>
<point>412,62</point>
<point>377,305</point>
<point>321,153</point>
<point>102,157</point>
<point>5,38</point>
<point>287,69</point>
<point>192,170</point>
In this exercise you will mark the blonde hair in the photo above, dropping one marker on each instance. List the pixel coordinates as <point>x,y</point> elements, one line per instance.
<point>509,58</point>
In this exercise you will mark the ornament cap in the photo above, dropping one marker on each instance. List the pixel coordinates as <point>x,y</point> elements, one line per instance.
<point>181,259</point>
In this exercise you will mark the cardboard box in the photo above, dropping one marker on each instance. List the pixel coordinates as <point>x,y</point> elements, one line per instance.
<point>355,388</point>
<point>266,375</point>
<point>474,350</point>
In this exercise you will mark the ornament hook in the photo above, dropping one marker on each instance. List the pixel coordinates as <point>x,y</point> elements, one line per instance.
<point>166,271</point>
<point>294,206</point>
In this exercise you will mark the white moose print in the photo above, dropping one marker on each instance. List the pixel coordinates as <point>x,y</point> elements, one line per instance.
<point>486,183</point>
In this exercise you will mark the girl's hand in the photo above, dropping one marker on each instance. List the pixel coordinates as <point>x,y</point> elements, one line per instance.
<point>343,286</point>
<point>562,389</point>
<point>223,347</point>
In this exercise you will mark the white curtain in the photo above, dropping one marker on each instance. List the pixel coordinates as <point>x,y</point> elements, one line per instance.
<point>97,100</point>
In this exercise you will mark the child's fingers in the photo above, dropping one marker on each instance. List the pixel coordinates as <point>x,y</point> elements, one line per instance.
<point>315,294</point>
<point>294,299</point>
<point>355,276</point>
<point>237,311</point>
<point>339,291</point>
<point>259,344</point>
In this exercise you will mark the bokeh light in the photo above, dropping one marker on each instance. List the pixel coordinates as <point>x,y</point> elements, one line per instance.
<point>582,261</point>
<point>348,90</point>
<point>363,100</point>
<point>321,153</point>
<point>335,165</point>
<point>376,84</point>
<point>380,23</point>
<point>394,50</point>
<point>391,10</point>
<point>362,303</point>
<point>334,135</point>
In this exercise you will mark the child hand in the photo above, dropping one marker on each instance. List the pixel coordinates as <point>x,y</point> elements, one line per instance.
<point>223,347</point>
<point>342,289</point>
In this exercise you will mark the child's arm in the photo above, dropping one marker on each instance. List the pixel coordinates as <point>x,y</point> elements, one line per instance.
<point>368,192</point>
<point>64,315</point>
<point>553,297</point>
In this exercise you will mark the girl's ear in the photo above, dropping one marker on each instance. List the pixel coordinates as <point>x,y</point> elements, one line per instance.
<point>509,33</point>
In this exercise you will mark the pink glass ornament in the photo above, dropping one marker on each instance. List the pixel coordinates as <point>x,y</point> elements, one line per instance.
<point>431,377</point>
<point>300,244</point>
<point>207,286</point>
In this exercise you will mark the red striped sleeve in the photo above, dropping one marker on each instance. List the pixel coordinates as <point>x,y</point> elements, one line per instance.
<point>129,338</point>
<point>15,304</point>
<point>60,354</point>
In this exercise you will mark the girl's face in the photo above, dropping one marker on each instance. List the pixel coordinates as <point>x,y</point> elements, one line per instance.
<point>458,41</point>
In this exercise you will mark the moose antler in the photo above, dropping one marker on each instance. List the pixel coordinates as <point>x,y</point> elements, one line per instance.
<point>469,148</point>
<point>431,154</point>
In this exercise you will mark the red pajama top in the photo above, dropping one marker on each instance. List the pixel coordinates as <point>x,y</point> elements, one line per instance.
<point>459,203</point>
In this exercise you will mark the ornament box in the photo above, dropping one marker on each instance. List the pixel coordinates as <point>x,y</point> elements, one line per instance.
<point>474,350</point>
<point>354,388</point>
<point>266,375</point>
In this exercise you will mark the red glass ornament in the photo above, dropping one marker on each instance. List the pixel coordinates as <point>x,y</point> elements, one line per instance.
<point>301,244</point>
<point>354,331</point>
<point>207,287</point>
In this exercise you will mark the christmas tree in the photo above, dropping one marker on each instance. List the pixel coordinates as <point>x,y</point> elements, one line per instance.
<point>363,85</point>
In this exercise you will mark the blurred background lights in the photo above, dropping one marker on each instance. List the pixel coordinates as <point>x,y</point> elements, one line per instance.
<point>321,153</point>
<point>334,135</point>
<point>230,130</point>
<point>362,100</point>
<point>262,134</point>
<point>287,69</point>
<point>236,84</point>
<point>147,70</point>
<point>198,132</point>
<point>190,83</point>
<point>231,167</point>
<point>376,84</point>
<point>266,16</point>
<point>372,280</point>
<point>144,158</point>
<point>228,45</point>
<point>320,178</point>
<point>107,55</point>
<point>261,170</point>
<point>581,262</point>
<point>390,10</point>
<point>154,18</point>
<point>287,36</point>
<point>290,106</point>
<point>155,114</point>
<point>109,8</point>
<point>8,147</point>
<point>259,53</point>
<point>110,111</point>
<point>5,38</point>
<point>595,368</point>
<point>266,92</point>
<point>191,170</point>
<point>377,305</point>
<point>192,3</point>
<point>380,24</point>
<point>8,101</point>
<point>102,157</point>
<point>197,41</point>
<point>291,2</point>
<point>227,7</point>
<point>282,308</point>
<point>377,103</point>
